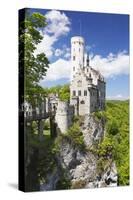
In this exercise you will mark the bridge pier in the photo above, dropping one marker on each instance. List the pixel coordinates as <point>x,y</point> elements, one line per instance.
<point>40,129</point>
<point>53,127</point>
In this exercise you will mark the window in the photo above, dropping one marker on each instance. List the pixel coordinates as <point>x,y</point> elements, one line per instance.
<point>79,49</point>
<point>79,83</point>
<point>82,102</point>
<point>79,93</point>
<point>74,93</point>
<point>85,92</point>
<point>73,57</point>
<point>73,68</point>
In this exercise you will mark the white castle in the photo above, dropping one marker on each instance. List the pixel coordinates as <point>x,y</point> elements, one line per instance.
<point>87,91</point>
<point>87,87</point>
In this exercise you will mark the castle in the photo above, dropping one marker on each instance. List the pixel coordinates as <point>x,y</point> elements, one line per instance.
<point>87,91</point>
<point>87,87</point>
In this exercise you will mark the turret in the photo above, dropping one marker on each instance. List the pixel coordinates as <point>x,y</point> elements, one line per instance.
<point>77,54</point>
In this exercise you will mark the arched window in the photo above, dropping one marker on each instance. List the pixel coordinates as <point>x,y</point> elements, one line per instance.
<point>82,102</point>
<point>85,92</point>
<point>74,93</point>
<point>79,83</point>
<point>79,93</point>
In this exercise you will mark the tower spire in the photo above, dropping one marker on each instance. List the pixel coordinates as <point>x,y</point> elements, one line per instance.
<point>80,27</point>
<point>88,60</point>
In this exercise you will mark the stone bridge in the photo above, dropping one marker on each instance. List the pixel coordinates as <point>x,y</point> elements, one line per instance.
<point>38,113</point>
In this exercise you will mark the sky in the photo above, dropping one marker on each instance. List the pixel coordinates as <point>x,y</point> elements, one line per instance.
<point>106,41</point>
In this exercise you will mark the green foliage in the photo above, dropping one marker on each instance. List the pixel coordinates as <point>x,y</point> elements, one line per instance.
<point>105,149</point>
<point>112,127</point>
<point>64,182</point>
<point>35,65</point>
<point>55,89</point>
<point>100,115</point>
<point>79,120</point>
<point>115,145</point>
<point>103,164</point>
<point>117,132</point>
<point>75,134</point>
<point>64,93</point>
<point>46,125</point>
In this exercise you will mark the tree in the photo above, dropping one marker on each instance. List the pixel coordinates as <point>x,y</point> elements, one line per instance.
<point>64,93</point>
<point>33,66</point>
<point>112,127</point>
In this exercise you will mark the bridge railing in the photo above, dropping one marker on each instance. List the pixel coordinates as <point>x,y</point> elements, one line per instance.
<point>37,116</point>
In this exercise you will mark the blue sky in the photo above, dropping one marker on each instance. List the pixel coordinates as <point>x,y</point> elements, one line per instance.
<point>107,42</point>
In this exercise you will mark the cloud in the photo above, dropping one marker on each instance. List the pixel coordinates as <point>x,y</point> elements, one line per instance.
<point>67,55</point>
<point>46,45</point>
<point>117,97</point>
<point>58,26</point>
<point>58,70</point>
<point>64,51</point>
<point>112,65</point>
<point>58,52</point>
<point>58,23</point>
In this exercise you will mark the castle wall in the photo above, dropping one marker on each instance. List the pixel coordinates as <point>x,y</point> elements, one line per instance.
<point>75,102</point>
<point>64,115</point>
<point>102,93</point>
<point>79,86</point>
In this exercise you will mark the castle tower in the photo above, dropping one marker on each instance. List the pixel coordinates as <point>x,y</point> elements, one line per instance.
<point>77,54</point>
<point>64,115</point>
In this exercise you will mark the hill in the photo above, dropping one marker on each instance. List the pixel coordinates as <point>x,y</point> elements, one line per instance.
<point>117,129</point>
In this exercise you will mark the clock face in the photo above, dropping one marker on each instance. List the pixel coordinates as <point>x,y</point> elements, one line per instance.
<point>79,83</point>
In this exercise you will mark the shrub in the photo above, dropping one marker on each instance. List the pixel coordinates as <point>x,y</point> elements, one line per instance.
<point>76,136</point>
<point>105,149</point>
<point>112,127</point>
<point>78,184</point>
<point>46,125</point>
<point>100,115</point>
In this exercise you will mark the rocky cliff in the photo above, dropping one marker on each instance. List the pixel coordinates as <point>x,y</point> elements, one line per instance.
<point>80,167</point>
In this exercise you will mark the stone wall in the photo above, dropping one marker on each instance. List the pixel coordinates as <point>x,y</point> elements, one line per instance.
<point>64,115</point>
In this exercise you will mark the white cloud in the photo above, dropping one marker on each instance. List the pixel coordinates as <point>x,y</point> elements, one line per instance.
<point>109,66</point>
<point>58,70</point>
<point>117,97</point>
<point>67,53</point>
<point>46,45</point>
<point>58,25</point>
<point>112,65</point>
<point>58,52</point>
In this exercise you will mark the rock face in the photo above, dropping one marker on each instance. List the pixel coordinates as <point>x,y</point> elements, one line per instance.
<point>93,131</point>
<point>81,166</point>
